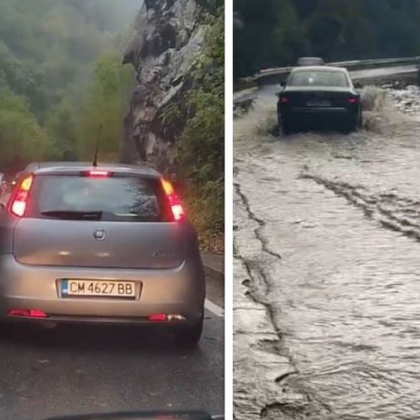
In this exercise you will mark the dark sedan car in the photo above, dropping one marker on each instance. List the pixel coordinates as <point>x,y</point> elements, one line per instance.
<point>319,95</point>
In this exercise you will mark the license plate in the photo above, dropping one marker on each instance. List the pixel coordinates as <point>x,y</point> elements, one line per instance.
<point>319,104</point>
<point>98,288</point>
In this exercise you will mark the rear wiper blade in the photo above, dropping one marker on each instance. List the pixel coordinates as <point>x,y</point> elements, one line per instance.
<point>76,215</point>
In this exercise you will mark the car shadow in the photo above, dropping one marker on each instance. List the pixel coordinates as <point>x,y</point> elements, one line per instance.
<point>91,338</point>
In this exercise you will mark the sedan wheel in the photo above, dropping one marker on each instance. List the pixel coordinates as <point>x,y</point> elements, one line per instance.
<point>351,125</point>
<point>286,127</point>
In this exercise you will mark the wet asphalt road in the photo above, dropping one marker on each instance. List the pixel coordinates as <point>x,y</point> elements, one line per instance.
<point>75,370</point>
<point>327,236</point>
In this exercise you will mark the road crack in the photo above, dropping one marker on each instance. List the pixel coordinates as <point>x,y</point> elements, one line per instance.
<point>283,400</point>
<point>261,223</point>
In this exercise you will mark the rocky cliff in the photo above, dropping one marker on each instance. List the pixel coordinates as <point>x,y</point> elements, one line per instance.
<point>168,36</point>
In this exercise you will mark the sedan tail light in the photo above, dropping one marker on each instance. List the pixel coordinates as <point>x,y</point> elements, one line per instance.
<point>353,100</point>
<point>20,199</point>
<point>284,100</point>
<point>176,207</point>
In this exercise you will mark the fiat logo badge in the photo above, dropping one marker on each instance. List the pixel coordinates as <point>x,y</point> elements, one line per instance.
<point>99,234</point>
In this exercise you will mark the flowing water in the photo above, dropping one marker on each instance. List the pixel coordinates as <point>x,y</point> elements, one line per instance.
<point>343,212</point>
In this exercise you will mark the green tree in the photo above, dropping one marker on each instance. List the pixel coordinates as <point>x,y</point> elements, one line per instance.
<point>47,53</point>
<point>105,107</point>
<point>48,47</point>
<point>62,130</point>
<point>276,32</point>
<point>21,138</point>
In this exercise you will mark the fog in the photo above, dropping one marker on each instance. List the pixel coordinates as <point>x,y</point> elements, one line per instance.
<point>49,53</point>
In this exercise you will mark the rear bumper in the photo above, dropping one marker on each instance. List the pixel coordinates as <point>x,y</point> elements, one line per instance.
<point>179,292</point>
<point>329,114</point>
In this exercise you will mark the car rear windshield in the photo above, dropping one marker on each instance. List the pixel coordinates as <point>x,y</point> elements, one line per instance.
<point>319,78</point>
<point>131,199</point>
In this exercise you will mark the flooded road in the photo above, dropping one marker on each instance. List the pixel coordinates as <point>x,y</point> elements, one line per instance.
<point>327,231</point>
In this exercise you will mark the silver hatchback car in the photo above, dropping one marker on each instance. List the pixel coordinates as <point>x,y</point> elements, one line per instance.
<point>106,244</point>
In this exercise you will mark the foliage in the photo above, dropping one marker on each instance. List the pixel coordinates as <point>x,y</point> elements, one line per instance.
<point>47,53</point>
<point>104,108</point>
<point>201,146</point>
<point>62,130</point>
<point>47,46</point>
<point>276,32</point>
<point>21,138</point>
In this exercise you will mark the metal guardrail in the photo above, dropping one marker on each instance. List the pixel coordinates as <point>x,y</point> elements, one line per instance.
<point>351,65</point>
<point>378,62</point>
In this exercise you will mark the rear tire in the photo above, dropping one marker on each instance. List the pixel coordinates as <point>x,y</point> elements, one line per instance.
<point>188,337</point>
<point>7,329</point>
<point>360,122</point>
<point>3,330</point>
<point>286,127</point>
<point>352,125</point>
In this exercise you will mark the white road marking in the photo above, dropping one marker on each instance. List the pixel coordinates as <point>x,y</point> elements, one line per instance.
<point>214,309</point>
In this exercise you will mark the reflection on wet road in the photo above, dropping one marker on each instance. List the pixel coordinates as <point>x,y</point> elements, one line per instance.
<point>343,213</point>
<point>86,369</point>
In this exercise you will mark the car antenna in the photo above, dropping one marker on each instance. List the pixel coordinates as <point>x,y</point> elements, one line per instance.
<point>98,144</point>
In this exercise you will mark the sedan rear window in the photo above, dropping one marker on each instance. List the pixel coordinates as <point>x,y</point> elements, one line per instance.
<point>107,199</point>
<point>310,62</point>
<point>306,78</point>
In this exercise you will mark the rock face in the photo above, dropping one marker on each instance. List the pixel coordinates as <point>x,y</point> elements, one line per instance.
<point>167,38</point>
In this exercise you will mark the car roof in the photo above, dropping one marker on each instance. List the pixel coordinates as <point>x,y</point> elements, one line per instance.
<point>40,168</point>
<point>320,68</point>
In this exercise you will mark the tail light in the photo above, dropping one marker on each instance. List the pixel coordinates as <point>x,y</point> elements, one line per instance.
<point>284,100</point>
<point>176,207</point>
<point>354,100</point>
<point>166,317</point>
<point>157,318</point>
<point>27,313</point>
<point>20,199</point>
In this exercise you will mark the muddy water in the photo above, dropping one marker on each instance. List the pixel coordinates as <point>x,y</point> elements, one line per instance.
<point>343,211</point>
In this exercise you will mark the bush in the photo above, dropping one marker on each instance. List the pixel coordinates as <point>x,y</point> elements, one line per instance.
<point>201,145</point>
<point>22,140</point>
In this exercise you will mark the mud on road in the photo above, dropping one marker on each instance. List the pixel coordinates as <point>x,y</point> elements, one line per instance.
<point>327,283</point>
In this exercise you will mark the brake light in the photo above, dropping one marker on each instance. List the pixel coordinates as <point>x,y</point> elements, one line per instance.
<point>353,100</point>
<point>96,173</point>
<point>176,206</point>
<point>284,100</point>
<point>20,199</point>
